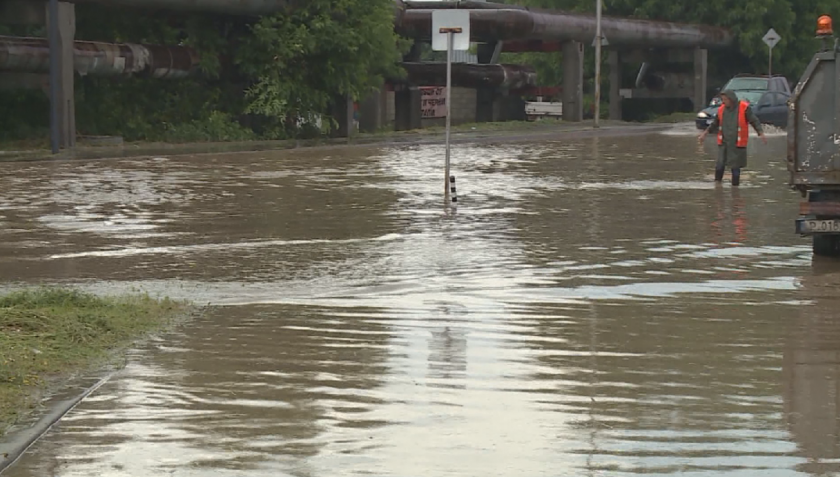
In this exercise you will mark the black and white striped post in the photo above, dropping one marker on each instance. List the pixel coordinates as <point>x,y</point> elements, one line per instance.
<point>452,190</point>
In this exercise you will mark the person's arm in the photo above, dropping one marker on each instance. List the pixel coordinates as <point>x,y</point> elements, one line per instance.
<point>755,123</point>
<point>715,123</point>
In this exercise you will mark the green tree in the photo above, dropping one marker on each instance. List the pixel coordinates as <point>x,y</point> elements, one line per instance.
<point>301,59</point>
<point>749,20</point>
<point>255,74</point>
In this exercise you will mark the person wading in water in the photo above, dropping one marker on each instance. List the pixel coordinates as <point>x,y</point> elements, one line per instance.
<point>733,121</point>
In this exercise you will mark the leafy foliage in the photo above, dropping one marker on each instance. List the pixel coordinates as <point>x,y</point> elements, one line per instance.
<point>258,76</point>
<point>272,76</point>
<point>749,20</point>
<point>303,58</point>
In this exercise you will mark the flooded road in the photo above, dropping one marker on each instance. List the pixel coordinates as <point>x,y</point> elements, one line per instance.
<point>591,307</point>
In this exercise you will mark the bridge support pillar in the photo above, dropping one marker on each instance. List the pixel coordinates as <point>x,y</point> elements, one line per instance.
<point>407,108</point>
<point>342,112</point>
<point>512,108</point>
<point>486,97</point>
<point>667,74</point>
<point>372,111</point>
<point>615,85</point>
<point>65,102</point>
<point>701,66</point>
<point>408,99</point>
<point>573,81</point>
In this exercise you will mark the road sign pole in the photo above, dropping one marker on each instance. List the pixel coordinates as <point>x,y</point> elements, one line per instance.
<point>770,63</point>
<point>771,39</point>
<point>450,37</point>
<point>450,32</point>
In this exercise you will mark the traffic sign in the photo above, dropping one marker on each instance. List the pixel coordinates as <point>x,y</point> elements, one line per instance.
<point>771,38</point>
<point>450,32</point>
<point>604,41</point>
<point>443,21</point>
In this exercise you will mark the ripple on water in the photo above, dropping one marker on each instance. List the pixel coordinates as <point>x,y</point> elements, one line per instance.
<point>553,323</point>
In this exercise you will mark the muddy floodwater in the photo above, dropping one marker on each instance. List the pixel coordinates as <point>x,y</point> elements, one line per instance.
<point>592,307</point>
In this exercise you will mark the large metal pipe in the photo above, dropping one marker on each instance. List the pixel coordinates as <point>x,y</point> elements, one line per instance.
<point>233,7</point>
<point>516,24</point>
<point>513,77</point>
<point>489,22</point>
<point>32,55</point>
<point>462,5</point>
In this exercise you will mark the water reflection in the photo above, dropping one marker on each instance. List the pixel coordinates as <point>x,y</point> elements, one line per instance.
<point>448,357</point>
<point>812,372</point>
<point>594,307</point>
<point>730,223</point>
<point>243,386</point>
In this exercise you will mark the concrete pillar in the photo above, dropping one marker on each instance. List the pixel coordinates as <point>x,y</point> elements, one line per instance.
<point>342,112</point>
<point>372,111</point>
<point>485,98</point>
<point>407,108</point>
<point>511,108</point>
<point>414,53</point>
<point>408,99</point>
<point>615,85</point>
<point>701,63</point>
<point>66,92</point>
<point>573,81</point>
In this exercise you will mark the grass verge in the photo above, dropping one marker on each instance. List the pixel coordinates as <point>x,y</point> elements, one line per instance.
<point>48,334</point>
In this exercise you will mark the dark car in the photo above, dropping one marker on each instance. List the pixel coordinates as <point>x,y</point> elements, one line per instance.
<point>758,83</point>
<point>768,108</point>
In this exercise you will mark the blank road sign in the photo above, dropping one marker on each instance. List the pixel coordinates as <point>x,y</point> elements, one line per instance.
<point>451,19</point>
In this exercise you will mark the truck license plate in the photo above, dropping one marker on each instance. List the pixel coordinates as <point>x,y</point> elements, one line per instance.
<point>821,226</point>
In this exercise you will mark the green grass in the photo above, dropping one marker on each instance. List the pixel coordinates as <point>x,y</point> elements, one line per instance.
<point>48,334</point>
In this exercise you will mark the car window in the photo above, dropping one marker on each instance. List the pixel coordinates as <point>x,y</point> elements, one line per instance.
<point>766,100</point>
<point>780,84</point>
<point>747,83</point>
<point>752,97</point>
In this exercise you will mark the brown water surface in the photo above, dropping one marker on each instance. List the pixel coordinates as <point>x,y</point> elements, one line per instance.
<point>590,307</point>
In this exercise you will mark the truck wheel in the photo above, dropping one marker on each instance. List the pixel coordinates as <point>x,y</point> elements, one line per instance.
<point>827,245</point>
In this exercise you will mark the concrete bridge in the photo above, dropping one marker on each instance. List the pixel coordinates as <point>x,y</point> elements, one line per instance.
<point>664,49</point>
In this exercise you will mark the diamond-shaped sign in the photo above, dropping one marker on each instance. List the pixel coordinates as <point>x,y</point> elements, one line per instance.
<point>771,38</point>
<point>604,41</point>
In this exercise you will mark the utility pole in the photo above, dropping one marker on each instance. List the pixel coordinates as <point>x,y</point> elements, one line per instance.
<point>55,79</point>
<point>598,41</point>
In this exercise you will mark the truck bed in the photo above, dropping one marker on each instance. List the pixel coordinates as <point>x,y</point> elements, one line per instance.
<point>814,125</point>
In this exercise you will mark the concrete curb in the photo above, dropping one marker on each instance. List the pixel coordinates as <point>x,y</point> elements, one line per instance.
<point>16,444</point>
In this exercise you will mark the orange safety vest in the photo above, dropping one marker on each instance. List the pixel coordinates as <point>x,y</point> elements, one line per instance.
<point>743,125</point>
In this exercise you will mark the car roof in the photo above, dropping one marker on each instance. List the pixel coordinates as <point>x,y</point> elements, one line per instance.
<point>775,83</point>
<point>752,75</point>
